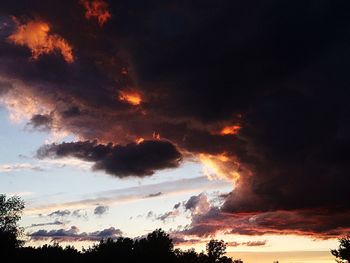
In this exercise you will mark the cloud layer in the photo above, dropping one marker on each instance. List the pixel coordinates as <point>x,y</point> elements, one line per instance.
<point>73,234</point>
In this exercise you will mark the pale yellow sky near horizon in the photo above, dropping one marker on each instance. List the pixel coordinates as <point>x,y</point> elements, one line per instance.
<point>284,257</point>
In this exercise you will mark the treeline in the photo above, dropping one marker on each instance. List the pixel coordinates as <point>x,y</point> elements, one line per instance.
<point>155,247</point>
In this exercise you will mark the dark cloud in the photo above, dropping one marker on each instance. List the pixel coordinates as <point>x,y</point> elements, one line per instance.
<point>177,205</point>
<point>255,243</point>
<point>182,241</point>
<point>198,204</point>
<point>60,213</point>
<point>133,159</point>
<point>80,214</point>
<point>248,243</point>
<point>318,223</point>
<point>154,195</point>
<point>150,214</point>
<point>278,70</point>
<point>47,224</point>
<point>100,210</point>
<point>41,121</point>
<point>168,215</point>
<point>73,234</point>
<point>5,87</point>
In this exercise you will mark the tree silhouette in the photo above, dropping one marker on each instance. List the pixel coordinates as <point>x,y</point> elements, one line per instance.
<point>188,256</point>
<point>156,247</point>
<point>216,249</point>
<point>10,213</point>
<point>343,252</point>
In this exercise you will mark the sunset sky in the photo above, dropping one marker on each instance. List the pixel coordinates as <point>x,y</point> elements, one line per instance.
<point>208,119</point>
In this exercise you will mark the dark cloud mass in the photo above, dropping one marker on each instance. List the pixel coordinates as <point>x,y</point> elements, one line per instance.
<point>132,159</point>
<point>186,69</point>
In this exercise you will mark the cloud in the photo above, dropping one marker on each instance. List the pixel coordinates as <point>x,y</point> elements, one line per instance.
<point>60,213</point>
<point>131,194</point>
<point>255,243</point>
<point>198,204</point>
<point>177,205</point>
<point>130,160</point>
<point>182,241</point>
<point>78,213</point>
<point>18,167</point>
<point>283,82</point>
<point>37,37</point>
<point>100,210</point>
<point>97,9</point>
<point>316,223</point>
<point>41,121</point>
<point>154,194</point>
<point>47,224</point>
<point>168,215</point>
<point>73,234</point>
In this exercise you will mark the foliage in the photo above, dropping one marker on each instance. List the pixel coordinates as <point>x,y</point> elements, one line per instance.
<point>343,252</point>
<point>10,213</point>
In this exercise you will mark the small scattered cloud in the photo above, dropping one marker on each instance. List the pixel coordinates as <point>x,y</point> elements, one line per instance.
<point>97,9</point>
<point>168,215</point>
<point>176,206</point>
<point>79,213</point>
<point>100,210</point>
<point>60,213</point>
<point>154,195</point>
<point>255,243</point>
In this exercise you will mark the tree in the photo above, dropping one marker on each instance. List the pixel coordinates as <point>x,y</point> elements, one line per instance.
<point>216,249</point>
<point>343,252</point>
<point>156,247</point>
<point>10,213</point>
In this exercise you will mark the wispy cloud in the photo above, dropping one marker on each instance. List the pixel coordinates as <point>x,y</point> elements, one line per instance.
<point>131,194</point>
<point>43,165</point>
<point>18,167</point>
<point>55,223</point>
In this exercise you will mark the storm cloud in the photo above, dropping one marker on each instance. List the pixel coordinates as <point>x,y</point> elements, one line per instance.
<point>132,159</point>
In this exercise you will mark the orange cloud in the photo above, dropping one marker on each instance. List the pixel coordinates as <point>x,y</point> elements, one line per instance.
<point>139,140</point>
<point>156,135</point>
<point>37,37</point>
<point>233,129</point>
<point>219,166</point>
<point>131,97</point>
<point>96,9</point>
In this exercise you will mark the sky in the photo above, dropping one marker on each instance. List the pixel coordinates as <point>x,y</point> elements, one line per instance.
<point>224,119</point>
